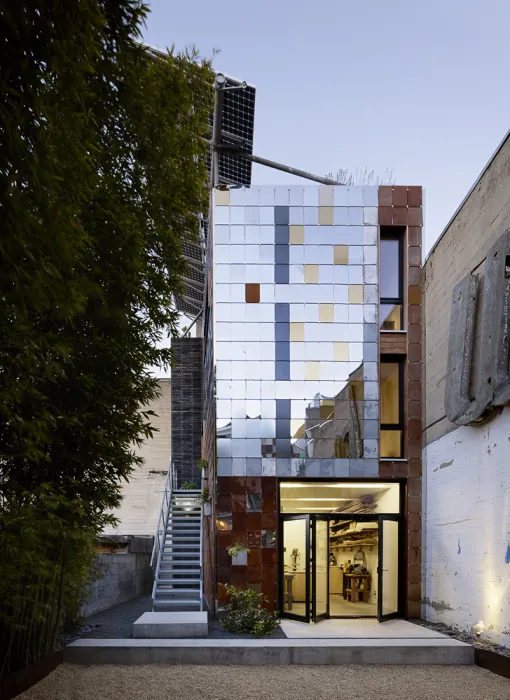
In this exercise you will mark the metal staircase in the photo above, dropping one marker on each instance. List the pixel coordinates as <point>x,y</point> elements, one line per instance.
<point>178,551</point>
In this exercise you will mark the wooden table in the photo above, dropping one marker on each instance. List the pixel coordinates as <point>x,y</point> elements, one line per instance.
<point>352,590</point>
<point>287,594</point>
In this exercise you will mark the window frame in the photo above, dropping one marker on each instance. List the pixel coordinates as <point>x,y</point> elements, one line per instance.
<point>394,233</point>
<point>400,361</point>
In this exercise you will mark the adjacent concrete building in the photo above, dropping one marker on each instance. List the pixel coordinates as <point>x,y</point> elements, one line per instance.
<point>141,495</point>
<point>466,556</point>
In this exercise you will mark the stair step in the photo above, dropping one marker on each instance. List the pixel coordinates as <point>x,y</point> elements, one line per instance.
<point>181,546</point>
<point>170,584</point>
<point>161,603</point>
<point>177,591</point>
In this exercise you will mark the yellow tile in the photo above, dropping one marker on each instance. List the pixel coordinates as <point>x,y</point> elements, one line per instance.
<point>355,294</point>
<point>341,352</point>
<point>222,197</point>
<point>326,216</point>
<point>311,274</point>
<point>297,332</point>
<point>326,313</point>
<point>312,370</point>
<point>297,235</point>
<point>341,254</point>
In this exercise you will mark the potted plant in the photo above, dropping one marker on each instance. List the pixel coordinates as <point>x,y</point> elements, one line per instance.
<point>202,465</point>
<point>239,554</point>
<point>206,501</point>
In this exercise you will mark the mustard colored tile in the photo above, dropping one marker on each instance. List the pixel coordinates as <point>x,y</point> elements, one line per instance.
<point>312,370</point>
<point>297,235</point>
<point>297,332</point>
<point>222,198</point>
<point>341,255</point>
<point>311,274</point>
<point>341,352</point>
<point>326,216</point>
<point>355,294</point>
<point>326,313</point>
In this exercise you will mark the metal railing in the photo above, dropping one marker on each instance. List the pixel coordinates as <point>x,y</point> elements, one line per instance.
<point>159,537</point>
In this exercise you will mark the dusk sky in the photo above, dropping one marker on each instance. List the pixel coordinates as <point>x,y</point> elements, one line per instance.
<point>417,88</point>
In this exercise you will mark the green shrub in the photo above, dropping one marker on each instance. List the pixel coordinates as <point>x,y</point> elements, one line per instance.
<point>245,613</point>
<point>188,486</point>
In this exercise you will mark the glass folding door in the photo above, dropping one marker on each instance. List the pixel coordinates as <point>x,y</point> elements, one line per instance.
<point>320,567</point>
<point>295,567</point>
<point>388,604</point>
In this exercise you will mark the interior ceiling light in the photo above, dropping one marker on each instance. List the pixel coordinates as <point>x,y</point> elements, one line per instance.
<point>334,486</point>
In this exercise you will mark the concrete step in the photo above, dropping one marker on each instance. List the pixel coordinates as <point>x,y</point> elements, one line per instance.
<point>179,571</point>
<point>179,603</point>
<point>160,581</point>
<point>269,651</point>
<point>176,546</point>
<point>167,625</point>
<point>171,590</point>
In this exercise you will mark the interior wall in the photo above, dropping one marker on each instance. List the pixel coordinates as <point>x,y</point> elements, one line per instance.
<point>294,538</point>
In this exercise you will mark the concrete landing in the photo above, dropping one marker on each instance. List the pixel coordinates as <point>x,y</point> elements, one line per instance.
<point>443,651</point>
<point>358,629</point>
<point>170,625</point>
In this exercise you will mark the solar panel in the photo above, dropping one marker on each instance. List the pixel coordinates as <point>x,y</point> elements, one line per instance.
<point>237,124</point>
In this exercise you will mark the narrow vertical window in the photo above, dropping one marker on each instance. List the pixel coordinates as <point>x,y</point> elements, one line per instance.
<point>391,279</point>
<point>392,407</point>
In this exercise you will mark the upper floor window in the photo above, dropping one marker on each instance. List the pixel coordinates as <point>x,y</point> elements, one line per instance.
<point>392,407</point>
<point>391,279</point>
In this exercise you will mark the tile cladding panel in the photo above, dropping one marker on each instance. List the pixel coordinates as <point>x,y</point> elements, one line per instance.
<point>296,331</point>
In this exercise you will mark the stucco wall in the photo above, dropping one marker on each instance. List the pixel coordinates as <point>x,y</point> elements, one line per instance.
<point>124,576</point>
<point>483,218</point>
<point>139,510</point>
<point>466,471</point>
<point>467,528</point>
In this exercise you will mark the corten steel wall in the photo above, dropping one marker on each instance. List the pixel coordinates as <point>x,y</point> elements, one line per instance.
<point>187,408</point>
<point>466,469</point>
<point>296,339</point>
<point>402,206</point>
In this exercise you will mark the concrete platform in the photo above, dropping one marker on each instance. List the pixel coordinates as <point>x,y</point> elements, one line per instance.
<point>443,651</point>
<point>358,629</point>
<point>170,625</point>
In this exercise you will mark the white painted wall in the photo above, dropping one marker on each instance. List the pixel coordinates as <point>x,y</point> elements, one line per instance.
<point>141,497</point>
<point>466,555</point>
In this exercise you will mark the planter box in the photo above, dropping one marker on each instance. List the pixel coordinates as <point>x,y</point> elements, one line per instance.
<point>240,559</point>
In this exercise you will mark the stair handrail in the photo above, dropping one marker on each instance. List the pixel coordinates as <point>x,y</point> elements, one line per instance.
<point>164,512</point>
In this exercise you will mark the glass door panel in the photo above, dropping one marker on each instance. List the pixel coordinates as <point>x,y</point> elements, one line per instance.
<point>388,601</point>
<point>320,568</point>
<point>295,580</point>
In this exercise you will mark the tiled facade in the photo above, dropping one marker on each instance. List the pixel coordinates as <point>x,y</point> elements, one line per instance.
<point>293,349</point>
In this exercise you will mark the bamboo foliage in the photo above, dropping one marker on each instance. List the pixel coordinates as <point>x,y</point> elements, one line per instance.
<point>102,174</point>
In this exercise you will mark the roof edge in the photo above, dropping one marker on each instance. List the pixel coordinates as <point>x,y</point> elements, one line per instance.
<point>475,183</point>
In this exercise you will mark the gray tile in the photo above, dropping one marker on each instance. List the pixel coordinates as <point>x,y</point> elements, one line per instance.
<point>268,466</point>
<point>370,235</point>
<point>370,371</point>
<point>253,466</point>
<point>224,466</point>
<point>371,467</point>
<point>371,391</point>
<point>283,448</point>
<point>297,467</point>
<point>313,467</point>
<point>282,371</point>
<point>281,274</point>
<point>281,215</point>
<point>371,429</point>
<point>370,352</point>
<point>282,351</point>
<point>281,254</point>
<point>282,332</point>
<point>282,312</point>
<point>327,467</point>
<point>239,466</point>
<point>370,332</point>
<point>370,294</point>
<point>281,235</point>
<point>356,468</point>
<point>341,467</point>
<point>371,449</point>
<point>370,274</point>
<point>282,466</point>
<point>371,410</point>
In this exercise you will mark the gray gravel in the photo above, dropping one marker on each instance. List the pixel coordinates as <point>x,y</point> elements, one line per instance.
<point>157,682</point>
<point>117,623</point>
<point>462,636</point>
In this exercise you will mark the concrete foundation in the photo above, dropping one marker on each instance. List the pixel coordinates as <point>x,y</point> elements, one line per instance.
<point>270,651</point>
<point>170,625</point>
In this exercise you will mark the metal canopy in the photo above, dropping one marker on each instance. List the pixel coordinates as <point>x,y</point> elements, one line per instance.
<point>237,124</point>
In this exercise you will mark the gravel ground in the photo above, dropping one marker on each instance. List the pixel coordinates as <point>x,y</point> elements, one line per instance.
<point>117,623</point>
<point>157,682</point>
